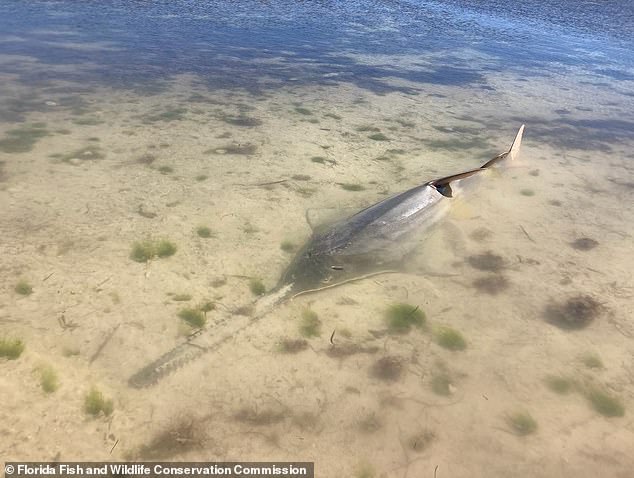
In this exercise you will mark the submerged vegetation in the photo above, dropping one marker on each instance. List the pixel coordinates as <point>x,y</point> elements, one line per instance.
<point>303,111</point>
<point>441,384</point>
<point>256,286</point>
<point>11,348</point>
<point>203,231</point>
<point>604,403</point>
<point>367,128</point>
<point>558,384</point>
<point>288,246</point>
<point>351,187</point>
<point>143,251</point>
<point>23,288</point>
<point>48,379</point>
<point>310,325</point>
<point>207,306</point>
<point>70,351</point>
<point>365,470</point>
<point>96,404</point>
<point>194,317</point>
<point>22,139</point>
<point>521,423</point>
<point>450,338</point>
<point>170,114</point>
<point>591,360</point>
<point>244,121</point>
<point>402,317</point>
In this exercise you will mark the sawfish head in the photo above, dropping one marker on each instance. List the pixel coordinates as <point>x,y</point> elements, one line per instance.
<point>321,263</point>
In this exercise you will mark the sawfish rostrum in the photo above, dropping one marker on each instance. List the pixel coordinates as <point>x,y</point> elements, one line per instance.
<point>378,236</point>
<point>369,241</point>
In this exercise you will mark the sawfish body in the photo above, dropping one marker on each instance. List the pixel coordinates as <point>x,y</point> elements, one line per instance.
<point>375,238</point>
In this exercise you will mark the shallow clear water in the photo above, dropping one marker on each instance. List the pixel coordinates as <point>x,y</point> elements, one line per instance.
<point>121,122</point>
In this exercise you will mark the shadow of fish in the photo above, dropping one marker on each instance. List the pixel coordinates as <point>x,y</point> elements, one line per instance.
<point>372,239</point>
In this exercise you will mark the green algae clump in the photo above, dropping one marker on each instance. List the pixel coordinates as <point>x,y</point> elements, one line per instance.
<point>95,404</point>
<point>256,286</point>
<point>450,339</point>
<point>560,385</point>
<point>310,325</point>
<point>11,348</point>
<point>48,379</point>
<point>402,317</point>
<point>203,231</point>
<point>143,251</point>
<point>23,288</point>
<point>194,317</point>
<point>604,403</point>
<point>522,423</point>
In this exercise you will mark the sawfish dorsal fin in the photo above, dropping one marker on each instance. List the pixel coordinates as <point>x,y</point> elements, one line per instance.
<point>443,185</point>
<point>511,154</point>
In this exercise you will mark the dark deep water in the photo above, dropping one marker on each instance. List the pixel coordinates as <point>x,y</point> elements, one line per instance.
<point>262,46</point>
<point>149,41</point>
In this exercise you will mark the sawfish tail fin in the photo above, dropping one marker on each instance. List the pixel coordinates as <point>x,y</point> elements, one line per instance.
<point>511,154</point>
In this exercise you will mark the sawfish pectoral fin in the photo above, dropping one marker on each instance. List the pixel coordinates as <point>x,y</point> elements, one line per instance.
<point>445,247</point>
<point>443,185</point>
<point>318,218</point>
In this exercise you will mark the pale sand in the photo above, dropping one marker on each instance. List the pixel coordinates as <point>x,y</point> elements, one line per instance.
<point>77,220</point>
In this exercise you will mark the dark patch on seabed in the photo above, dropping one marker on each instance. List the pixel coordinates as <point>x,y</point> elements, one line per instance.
<point>584,244</point>
<point>566,133</point>
<point>492,284</point>
<point>487,262</point>
<point>575,313</point>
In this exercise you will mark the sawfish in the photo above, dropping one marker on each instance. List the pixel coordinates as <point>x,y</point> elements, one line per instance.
<point>374,239</point>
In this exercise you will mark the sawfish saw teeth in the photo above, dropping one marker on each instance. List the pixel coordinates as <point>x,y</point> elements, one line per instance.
<point>171,361</point>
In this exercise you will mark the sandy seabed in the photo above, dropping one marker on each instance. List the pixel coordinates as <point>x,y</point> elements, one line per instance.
<point>106,168</point>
